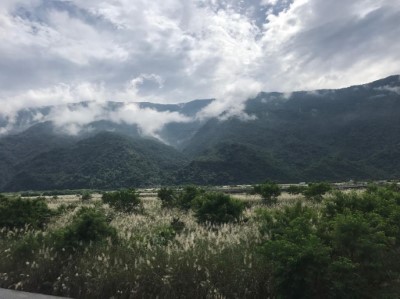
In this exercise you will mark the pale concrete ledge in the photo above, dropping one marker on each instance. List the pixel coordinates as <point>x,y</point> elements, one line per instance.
<point>10,294</point>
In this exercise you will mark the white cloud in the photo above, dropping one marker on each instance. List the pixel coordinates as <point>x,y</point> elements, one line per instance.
<point>80,42</point>
<point>60,94</point>
<point>269,2</point>
<point>132,89</point>
<point>56,52</point>
<point>148,120</point>
<point>330,44</point>
<point>73,119</point>
<point>231,101</point>
<point>394,89</point>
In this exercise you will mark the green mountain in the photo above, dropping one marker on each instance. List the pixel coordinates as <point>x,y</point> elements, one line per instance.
<point>106,161</point>
<point>21,148</point>
<point>349,133</point>
<point>232,163</point>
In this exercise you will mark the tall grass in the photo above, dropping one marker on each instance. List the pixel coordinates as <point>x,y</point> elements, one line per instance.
<point>343,245</point>
<point>150,258</point>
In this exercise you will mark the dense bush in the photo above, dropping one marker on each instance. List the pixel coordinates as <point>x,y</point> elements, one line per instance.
<point>295,189</point>
<point>187,195</point>
<point>217,208</point>
<point>89,225</point>
<point>297,256</point>
<point>168,197</point>
<point>86,196</point>
<point>124,200</point>
<point>214,208</point>
<point>19,212</point>
<point>166,233</point>
<point>315,191</point>
<point>181,199</point>
<point>348,249</point>
<point>269,192</point>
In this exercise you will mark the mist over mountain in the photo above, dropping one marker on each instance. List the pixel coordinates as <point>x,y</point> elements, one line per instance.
<point>349,133</point>
<point>171,123</point>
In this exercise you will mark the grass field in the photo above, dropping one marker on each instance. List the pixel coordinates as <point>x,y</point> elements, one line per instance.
<point>148,259</point>
<point>88,249</point>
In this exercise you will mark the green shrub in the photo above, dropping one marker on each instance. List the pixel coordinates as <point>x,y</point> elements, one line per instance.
<point>168,197</point>
<point>347,248</point>
<point>25,247</point>
<point>19,212</point>
<point>296,253</point>
<point>177,225</point>
<point>187,195</point>
<point>126,201</point>
<point>63,208</point>
<point>217,208</point>
<point>269,192</point>
<point>86,196</point>
<point>295,190</point>
<point>166,233</point>
<point>88,226</point>
<point>316,191</point>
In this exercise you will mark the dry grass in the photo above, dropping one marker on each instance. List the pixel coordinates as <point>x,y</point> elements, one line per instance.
<point>201,261</point>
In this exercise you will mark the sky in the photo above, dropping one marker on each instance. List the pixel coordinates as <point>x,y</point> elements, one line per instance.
<point>54,52</point>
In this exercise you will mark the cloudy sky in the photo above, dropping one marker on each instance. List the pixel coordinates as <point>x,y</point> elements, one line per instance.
<point>169,51</point>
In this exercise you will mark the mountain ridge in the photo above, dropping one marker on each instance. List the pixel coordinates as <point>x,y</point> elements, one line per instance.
<point>106,160</point>
<point>349,133</point>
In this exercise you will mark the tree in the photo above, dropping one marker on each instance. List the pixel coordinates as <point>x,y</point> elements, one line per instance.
<point>126,201</point>
<point>315,191</point>
<point>168,197</point>
<point>19,212</point>
<point>217,208</point>
<point>187,195</point>
<point>88,226</point>
<point>269,192</point>
<point>345,248</point>
<point>295,252</point>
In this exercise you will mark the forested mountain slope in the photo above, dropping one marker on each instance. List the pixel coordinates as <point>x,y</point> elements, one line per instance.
<point>350,133</point>
<point>322,135</point>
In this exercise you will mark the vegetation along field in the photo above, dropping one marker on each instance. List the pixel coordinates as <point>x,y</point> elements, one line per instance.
<point>304,242</point>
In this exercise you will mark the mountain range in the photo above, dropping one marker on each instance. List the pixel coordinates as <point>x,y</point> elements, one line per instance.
<point>332,135</point>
